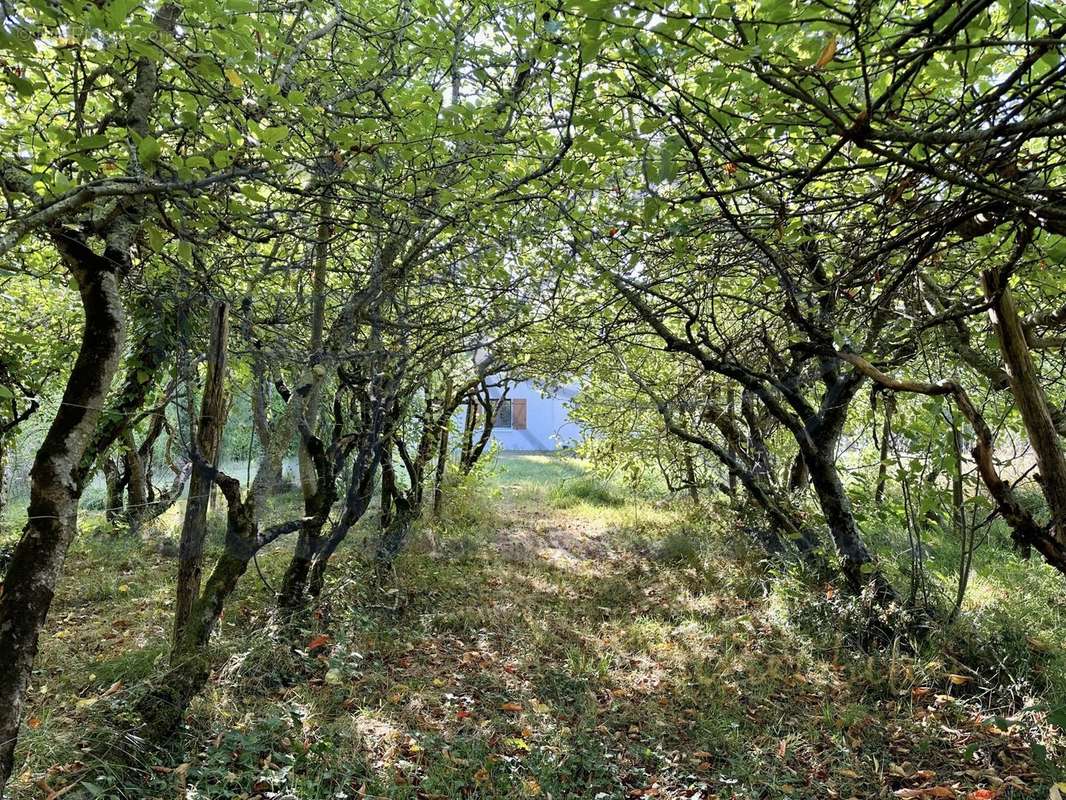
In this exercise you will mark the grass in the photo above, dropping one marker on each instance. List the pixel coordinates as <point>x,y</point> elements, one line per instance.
<point>540,642</point>
<point>1013,624</point>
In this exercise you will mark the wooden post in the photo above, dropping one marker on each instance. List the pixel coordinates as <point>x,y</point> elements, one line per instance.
<point>207,438</point>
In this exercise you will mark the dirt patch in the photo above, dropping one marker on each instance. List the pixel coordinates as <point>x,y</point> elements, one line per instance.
<point>563,543</point>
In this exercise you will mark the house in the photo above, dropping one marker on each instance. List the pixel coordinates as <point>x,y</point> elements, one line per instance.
<point>534,418</point>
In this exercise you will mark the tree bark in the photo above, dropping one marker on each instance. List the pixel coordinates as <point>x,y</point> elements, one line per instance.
<point>137,482</point>
<point>56,484</point>
<point>406,504</point>
<point>208,435</point>
<point>886,434</point>
<point>356,502</point>
<point>308,479</point>
<point>293,591</point>
<point>164,708</point>
<point>857,562</point>
<point>3,476</point>
<point>1030,399</point>
<point>798,477</point>
<point>442,453</point>
<point>690,474</point>
<point>469,424</point>
<point>476,450</point>
<point>115,481</point>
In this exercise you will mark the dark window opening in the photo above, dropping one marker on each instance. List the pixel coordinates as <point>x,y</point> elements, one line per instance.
<point>503,413</point>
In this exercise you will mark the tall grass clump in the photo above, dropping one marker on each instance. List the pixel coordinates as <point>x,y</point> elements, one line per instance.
<point>584,489</point>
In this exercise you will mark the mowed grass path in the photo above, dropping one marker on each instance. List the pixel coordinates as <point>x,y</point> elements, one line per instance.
<point>548,637</point>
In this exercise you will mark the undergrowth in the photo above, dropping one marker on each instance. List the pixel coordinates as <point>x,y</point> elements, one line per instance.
<point>619,649</point>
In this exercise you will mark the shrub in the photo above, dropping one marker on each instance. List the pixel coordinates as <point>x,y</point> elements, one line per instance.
<point>468,512</point>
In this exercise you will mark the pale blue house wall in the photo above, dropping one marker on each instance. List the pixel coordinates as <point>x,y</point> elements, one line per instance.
<point>548,425</point>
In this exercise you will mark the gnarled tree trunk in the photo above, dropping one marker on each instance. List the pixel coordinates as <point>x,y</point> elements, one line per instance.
<point>56,482</point>
<point>857,562</point>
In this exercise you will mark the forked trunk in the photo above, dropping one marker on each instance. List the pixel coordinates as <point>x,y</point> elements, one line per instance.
<point>293,591</point>
<point>163,709</point>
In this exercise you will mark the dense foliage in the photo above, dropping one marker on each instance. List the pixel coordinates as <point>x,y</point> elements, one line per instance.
<point>806,261</point>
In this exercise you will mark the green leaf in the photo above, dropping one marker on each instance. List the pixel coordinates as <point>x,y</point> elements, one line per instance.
<point>155,238</point>
<point>148,150</point>
<point>649,125</point>
<point>1039,753</point>
<point>91,142</point>
<point>274,135</point>
<point>23,87</point>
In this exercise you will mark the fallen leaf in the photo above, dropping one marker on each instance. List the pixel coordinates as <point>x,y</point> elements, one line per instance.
<point>319,641</point>
<point>940,791</point>
<point>112,689</point>
<point>511,708</point>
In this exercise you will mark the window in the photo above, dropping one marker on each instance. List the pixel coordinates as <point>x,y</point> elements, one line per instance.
<point>503,413</point>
